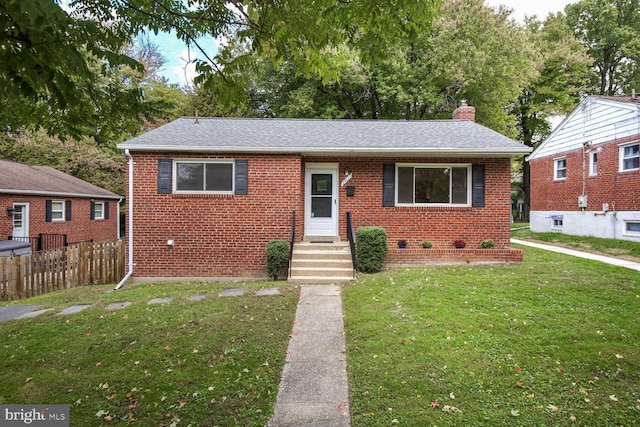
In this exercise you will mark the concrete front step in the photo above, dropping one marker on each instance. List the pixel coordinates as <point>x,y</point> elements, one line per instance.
<point>314,262</point>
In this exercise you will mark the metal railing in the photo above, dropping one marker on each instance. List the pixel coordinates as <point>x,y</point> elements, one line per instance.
<point>351,236</point>
<point>292,240</point>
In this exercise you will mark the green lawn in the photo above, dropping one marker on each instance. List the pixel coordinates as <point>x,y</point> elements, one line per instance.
<point>551,341</point>
<point>544,342</point>
<point>612,247</point>
<point>213,362</point>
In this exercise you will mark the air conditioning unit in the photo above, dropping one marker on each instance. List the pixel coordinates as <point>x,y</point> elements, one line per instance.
<point>582,201</point>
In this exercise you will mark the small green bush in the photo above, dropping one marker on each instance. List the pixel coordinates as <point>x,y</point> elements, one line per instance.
<point>277,257</point>
<point>371,248</point>
<point>486,244</point>
<point>427,244</point>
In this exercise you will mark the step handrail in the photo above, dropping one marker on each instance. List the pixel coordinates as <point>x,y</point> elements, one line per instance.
<point>292,240</point>
<point>351,236</point>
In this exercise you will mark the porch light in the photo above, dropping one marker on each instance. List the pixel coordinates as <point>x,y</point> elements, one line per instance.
<point>11,211</point>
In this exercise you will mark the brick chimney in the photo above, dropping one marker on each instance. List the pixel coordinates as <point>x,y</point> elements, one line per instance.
<point>464,112</point>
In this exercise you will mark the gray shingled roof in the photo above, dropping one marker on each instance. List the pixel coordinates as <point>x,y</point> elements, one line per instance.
<point>337,137</point>
<point>20,178</point>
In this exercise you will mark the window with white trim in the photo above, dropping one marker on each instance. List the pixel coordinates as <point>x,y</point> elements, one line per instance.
<point>557,221</point>
<point>630,157</point>
<point>57,210</point>
<point>632,228</point>
<point>98,210</point>
<point>560,169</point>
<point>593,163</point>
<point>204,177</point>
<point>433,184</point>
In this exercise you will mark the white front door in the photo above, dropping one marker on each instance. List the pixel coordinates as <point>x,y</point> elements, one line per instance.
<point>321,200</point>
<point>21,221</point>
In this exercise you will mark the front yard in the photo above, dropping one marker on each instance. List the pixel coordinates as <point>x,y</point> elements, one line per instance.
<point>550,341</point>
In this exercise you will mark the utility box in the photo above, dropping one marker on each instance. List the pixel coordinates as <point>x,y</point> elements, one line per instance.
<point>582,201</point>
<point>10,248</point>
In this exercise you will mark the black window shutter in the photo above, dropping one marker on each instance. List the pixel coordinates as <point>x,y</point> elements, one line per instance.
<point>67,210</point>
<point>242,177</point>
<point>92,215</point>
<point>106,210</point>
<point>388,184</point>
<point>477,186</point>
<point>164,176</point>
<point>48,208</point>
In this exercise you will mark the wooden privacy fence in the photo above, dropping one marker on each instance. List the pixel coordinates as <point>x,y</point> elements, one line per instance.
<point>74,265</point>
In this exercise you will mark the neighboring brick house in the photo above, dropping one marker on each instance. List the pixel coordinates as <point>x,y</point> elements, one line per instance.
<point>585,177</point>
<point>210,193</point>
<point>39,200</point>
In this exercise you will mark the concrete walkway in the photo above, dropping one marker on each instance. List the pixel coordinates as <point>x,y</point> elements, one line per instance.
<point>605,259</point>
<point>314,390</point>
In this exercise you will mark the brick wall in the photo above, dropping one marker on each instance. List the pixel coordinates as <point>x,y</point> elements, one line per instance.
<point>226,235</point>
<point>439,225</point>
<point>81,226</point>
<point>214,235</point>
<point>621,190</point>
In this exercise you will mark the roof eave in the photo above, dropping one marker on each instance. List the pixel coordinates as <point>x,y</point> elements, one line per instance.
<point>58,194</point>
<point>353,151</point>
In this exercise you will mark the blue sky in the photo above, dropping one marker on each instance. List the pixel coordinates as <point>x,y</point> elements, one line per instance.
<point>179,67</point>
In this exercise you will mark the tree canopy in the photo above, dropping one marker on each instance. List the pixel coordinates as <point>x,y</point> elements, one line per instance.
<point>57,64</point>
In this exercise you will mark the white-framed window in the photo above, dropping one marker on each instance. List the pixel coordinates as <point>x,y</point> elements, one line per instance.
<point>433,184</point>
<point>632,228</point>
<point>557,222</point>
<point>593,163</point>
<point>630,157</point>
<point>197,176</point>
<point>560,168</point>
<point>57,210</point>
<point>98,210</point>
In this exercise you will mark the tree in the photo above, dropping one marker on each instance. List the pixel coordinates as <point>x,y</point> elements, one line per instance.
<point>610,30</point>
<point>481,55</point>
<point>563,75</point>
<point>51,60</point>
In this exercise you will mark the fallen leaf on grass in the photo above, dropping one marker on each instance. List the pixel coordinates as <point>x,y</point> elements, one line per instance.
<point>613,397</point>
<point>452,396</point>
<point>166,347</point>
<point>518,370</point>
<point>619,356</point>
<point>99,364</point>
<point>515,413</point>
<point>519,384</point>
<point>435,404</point>
<point>447,408</point>
<point>133,404</point>
<point>553,408</point>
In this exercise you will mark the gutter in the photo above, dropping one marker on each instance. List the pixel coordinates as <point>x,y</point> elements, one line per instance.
<point>405,152</point>
<point>58,194</point>
<point>130,222</point>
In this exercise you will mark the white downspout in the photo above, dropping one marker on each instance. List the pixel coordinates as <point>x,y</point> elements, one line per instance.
<point>129,221</point>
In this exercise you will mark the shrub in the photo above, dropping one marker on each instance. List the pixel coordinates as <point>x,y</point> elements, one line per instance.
<point>371,248</point>
<point>459,243</point>
<point>486,244</point>
<point>427,244</point>
<point>277,257</point>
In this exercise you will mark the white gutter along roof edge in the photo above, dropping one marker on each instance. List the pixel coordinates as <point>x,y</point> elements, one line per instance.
<point>333,150</point>
<point>58,194</point>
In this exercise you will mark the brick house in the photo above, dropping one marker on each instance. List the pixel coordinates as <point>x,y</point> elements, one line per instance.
<point>210,193</point>
<point>585,177</point>
<point>39,200</point>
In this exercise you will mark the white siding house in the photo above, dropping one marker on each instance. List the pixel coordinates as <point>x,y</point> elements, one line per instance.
<point>585,177</point>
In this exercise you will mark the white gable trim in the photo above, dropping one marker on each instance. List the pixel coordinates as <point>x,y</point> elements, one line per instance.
<point>596,120</point>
